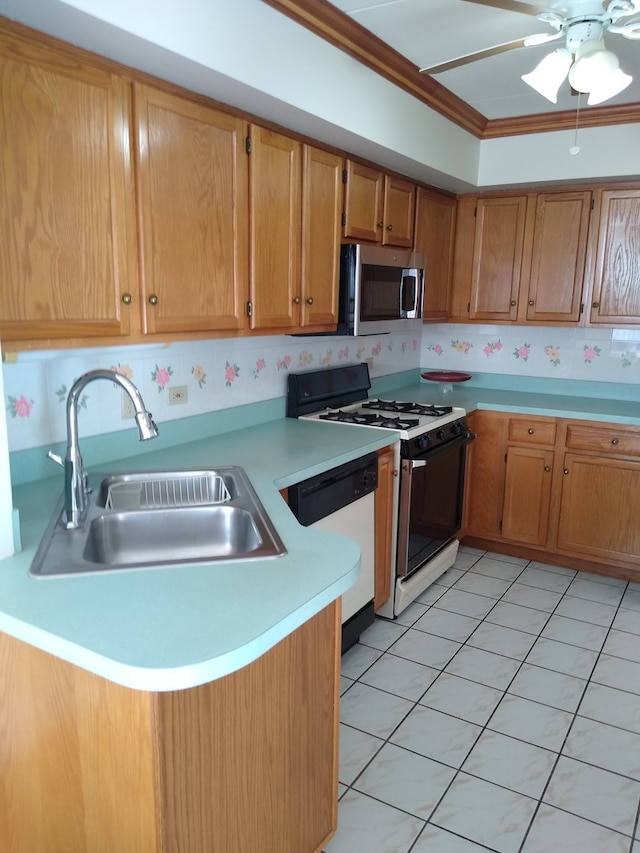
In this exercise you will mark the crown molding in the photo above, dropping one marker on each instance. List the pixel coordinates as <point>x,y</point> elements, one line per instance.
<point>339,29</point>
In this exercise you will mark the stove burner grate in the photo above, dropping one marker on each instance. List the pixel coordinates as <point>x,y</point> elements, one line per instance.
<point>407,408</point>
<point>373,419</point>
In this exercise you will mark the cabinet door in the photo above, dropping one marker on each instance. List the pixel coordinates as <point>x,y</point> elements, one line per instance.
<point>68,265</point>
<point>398,212</point>
<point>434,238</point>
<point>497,258</point>
<point>557,264</point>
<point>363,202</point>
<point>599,509</point>
<point>485,475</point>
<point>274,226</point>
<point>192,195</point>
<point>321,224</point>
<point>616,287</point>
<point>384,518</point>
<point>527,495</point>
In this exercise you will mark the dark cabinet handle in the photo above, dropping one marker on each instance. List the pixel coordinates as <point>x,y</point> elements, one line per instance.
<point>389,227</point>
<point>296,300</point>
<point>566,471</point>
<point>512,303</point>
<point>595,304</point>
<point>530,431</point>
<point>614,441</point>
<point>310,300</point>
<point>380,224</point>
<point>126,298</point>
<point>153,299</point>
<point>531,302</point>
<point>547,468</point>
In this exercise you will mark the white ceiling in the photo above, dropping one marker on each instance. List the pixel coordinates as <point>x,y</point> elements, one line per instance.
<point>429,32</point>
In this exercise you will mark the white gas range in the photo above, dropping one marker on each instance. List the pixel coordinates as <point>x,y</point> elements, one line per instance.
<point>430,461</point>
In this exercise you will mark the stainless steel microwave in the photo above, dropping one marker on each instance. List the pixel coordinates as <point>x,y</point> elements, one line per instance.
<point>381,290</point>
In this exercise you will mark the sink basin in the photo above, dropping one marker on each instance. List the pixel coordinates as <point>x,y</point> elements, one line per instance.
<point>152,519</point>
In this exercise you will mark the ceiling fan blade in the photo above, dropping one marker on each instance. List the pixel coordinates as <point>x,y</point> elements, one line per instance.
<point>630,30</point>
<point>512,6</point>
<point>472,57</point>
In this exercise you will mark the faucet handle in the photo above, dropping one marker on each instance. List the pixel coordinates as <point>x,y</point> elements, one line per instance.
<point>56,458</point>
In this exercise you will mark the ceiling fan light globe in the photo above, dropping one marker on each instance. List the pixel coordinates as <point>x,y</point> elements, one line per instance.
<point>549,74</point>
<point>592,67</point>
<point>615,84</point>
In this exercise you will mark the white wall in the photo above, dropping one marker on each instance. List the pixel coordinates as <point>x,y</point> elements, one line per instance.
<point>248,54</point>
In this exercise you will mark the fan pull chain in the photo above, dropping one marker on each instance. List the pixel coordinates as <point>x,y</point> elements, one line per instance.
<point>575,148</point>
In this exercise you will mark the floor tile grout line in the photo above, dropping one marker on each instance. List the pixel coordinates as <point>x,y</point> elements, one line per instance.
<point>575,714</point>
<point>571,724</point>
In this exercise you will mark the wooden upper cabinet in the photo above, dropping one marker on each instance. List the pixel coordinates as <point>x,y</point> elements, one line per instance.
<point>378,208</point>
<point>68,264</point>
<point>193,203</point>
<point>434,238</point>
<point>616,275</point>
<point>558,257</point>
<point>274,228</point>
<point>398,212</point>
<point>363,202</point>
<point>321,224</point>
<point>497,258</point>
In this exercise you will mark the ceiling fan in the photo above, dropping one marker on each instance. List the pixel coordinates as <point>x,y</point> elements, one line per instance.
<point>584,59</point>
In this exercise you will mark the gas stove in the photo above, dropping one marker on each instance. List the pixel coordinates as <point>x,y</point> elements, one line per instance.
<point>339,395</point>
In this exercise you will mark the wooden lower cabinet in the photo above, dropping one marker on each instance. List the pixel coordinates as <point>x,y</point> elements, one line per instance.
<point>527,494</point>
<point>556,490</point>
<point>485,475</point>
<point>244,763</point>
<point>384,519</point>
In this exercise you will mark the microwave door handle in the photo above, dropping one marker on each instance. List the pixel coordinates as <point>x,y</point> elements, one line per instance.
<point>413,275</point>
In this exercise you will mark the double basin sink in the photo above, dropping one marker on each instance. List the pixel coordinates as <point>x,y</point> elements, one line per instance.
<point>144,520</point>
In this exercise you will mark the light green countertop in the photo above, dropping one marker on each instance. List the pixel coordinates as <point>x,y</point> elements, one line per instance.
<point>171,628</point>
<point>168,629</point>
<point>553,398</point>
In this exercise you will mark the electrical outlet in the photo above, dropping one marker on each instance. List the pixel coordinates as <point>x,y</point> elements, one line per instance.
<point>126,407</point>
<point>177,395</point>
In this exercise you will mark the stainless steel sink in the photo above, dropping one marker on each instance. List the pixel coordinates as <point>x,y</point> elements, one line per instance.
<point>138,520</point>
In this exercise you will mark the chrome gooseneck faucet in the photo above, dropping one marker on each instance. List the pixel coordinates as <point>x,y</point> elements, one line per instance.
<point>75,481</point>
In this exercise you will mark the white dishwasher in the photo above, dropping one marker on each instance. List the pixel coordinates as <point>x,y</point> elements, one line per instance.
<point>342,500</point>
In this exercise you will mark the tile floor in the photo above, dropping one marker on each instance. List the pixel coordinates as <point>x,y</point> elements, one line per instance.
<point>500,712</point>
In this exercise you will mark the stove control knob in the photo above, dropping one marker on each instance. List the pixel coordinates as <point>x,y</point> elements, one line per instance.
<point>440,434</point>
<point>458,428</point>
<point>423,442</point>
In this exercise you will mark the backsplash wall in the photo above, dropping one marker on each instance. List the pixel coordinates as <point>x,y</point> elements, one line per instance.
<point>218,374</point>
<point>224,373</point>
<point>601,355</point>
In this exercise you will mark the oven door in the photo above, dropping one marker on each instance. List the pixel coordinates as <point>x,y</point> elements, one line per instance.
<point>431,502</point>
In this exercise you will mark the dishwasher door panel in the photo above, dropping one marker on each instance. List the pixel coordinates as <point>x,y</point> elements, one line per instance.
<point>356,521</point>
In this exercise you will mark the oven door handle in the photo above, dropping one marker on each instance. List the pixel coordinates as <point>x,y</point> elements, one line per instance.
<point>441,448</point>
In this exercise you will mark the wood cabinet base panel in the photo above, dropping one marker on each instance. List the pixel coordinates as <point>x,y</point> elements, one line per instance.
<point>613,571</point>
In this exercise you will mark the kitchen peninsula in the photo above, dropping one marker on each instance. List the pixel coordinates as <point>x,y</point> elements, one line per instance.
<point>192,708</point>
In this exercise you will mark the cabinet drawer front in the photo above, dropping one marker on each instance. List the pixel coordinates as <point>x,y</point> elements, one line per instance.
<point>618,440</point>
<point>533,430</point>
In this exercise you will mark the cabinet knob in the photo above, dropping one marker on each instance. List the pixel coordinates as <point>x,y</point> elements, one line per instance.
<point>380,224</point>
<point>126,298</point>
<point>296,300</point>
<point>530,431</point>
<point>389,227</point>
<point>614,441</point>
<point>595,304</point>
<point>531,302</point>
<point>566,471</point>
<point>310,300</point>
<point>153,299</point>
<point>547,468</point>
<point>512,303</point>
